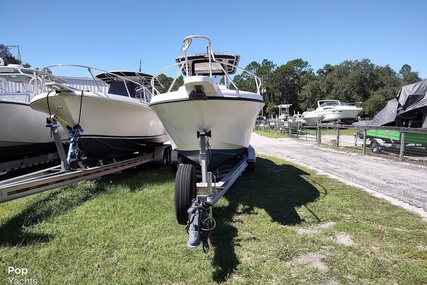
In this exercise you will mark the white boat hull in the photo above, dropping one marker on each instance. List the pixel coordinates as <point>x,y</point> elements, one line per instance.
<point>332,111</point>
<point>22,125</point>
<point>339,114</point>
<point>113,125</point>
<point>230,119</point>
<point>208,102</point>
<point>23,132</point>
<point>311,119</point>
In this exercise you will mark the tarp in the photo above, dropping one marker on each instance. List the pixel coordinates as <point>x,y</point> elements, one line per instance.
<point>407,91</point>
<point>409,98</point>
<point>387,114</point>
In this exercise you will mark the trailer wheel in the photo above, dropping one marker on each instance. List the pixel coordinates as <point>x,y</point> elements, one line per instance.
<point>166,157</point>
<point>251,166</point>
<point>185,191</point>
<point>375,146</point>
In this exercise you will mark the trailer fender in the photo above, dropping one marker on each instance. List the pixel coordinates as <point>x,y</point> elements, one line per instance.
<point>251,154</point>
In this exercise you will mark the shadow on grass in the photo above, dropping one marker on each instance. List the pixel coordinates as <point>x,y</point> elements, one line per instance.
<point>15,231</point>
<point>278,189</point>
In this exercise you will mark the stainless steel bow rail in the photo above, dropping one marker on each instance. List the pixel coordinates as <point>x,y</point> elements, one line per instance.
<point>194,201</point>
<point>63,174</point>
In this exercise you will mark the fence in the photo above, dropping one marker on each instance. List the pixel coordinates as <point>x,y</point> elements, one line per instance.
<point>408,143</point>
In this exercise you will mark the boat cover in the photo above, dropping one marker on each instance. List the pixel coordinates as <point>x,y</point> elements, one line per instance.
<point>410,98</point>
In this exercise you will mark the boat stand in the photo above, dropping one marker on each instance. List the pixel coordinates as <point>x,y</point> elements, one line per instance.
<point>194,201</point>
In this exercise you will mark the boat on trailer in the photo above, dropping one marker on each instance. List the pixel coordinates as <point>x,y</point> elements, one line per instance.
<point>111,119</point>
<point>24,139</point>
<point>205,103</point>
<point>64,174</point>
<point>209,121</point>
<point>332,111</point>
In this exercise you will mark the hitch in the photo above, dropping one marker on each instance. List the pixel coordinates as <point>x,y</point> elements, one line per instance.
<point>200,224</point>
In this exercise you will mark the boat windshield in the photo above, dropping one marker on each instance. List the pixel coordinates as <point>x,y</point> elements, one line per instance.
<point>135,91</point>
<point>122,88</point>
<point>332,103</point>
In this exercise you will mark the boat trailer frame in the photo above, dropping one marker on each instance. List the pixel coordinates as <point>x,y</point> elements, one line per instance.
<point>202,196</point>
<point>63,174</point>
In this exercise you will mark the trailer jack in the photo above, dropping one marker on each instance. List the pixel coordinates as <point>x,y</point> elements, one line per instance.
<point>194,201</point>
<point>200,224</point>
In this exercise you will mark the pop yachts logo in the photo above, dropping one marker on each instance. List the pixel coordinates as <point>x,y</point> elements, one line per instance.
<point>18,276</point>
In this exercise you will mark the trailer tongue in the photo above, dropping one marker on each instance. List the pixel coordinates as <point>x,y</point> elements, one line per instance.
<point>194,200</point>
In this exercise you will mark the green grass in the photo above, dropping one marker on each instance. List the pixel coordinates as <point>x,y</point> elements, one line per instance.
<point>280,225</point>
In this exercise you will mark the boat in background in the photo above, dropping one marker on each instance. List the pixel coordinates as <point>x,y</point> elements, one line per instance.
<point>283,111</point>
<point>332,111</point>
<point>23,130</point>
<point>205,105</point>
<point>111,119</point>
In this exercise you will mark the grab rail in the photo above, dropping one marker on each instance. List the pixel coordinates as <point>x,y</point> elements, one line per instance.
<point>46,77</point>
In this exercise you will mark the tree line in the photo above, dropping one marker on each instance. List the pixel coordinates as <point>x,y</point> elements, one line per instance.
<point>350,81</point>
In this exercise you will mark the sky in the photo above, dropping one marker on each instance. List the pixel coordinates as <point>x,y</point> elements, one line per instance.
<point>117,35</point>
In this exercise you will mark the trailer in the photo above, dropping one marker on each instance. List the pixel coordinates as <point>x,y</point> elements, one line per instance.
<point>65,173</point>
<point>27,162</point>
<point>194,201</point>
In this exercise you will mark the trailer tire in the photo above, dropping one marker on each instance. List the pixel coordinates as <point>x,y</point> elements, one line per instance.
<point>185,191</point>
<point>251,166</point>
<point>375,146</point>
<point>166,157</point>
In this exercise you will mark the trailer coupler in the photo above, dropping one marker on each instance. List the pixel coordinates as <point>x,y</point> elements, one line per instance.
<point>200,224</point>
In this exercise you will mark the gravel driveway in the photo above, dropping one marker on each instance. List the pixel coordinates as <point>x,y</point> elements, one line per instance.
<point>403,184</point>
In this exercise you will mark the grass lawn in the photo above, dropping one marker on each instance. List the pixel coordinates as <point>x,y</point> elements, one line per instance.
<point>282,224</point>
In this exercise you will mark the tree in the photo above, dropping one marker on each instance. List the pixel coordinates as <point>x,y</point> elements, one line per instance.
<point>167,82</point>
<point>9,58</point>
<point>288,81</point>
<point>264,71</point>
<point>407,76</point>
<point>353,81</point>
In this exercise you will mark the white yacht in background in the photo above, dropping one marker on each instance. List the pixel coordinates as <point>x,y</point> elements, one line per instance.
<point>332,111</point>
<point>206,105</point>
<point>111,119</point>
